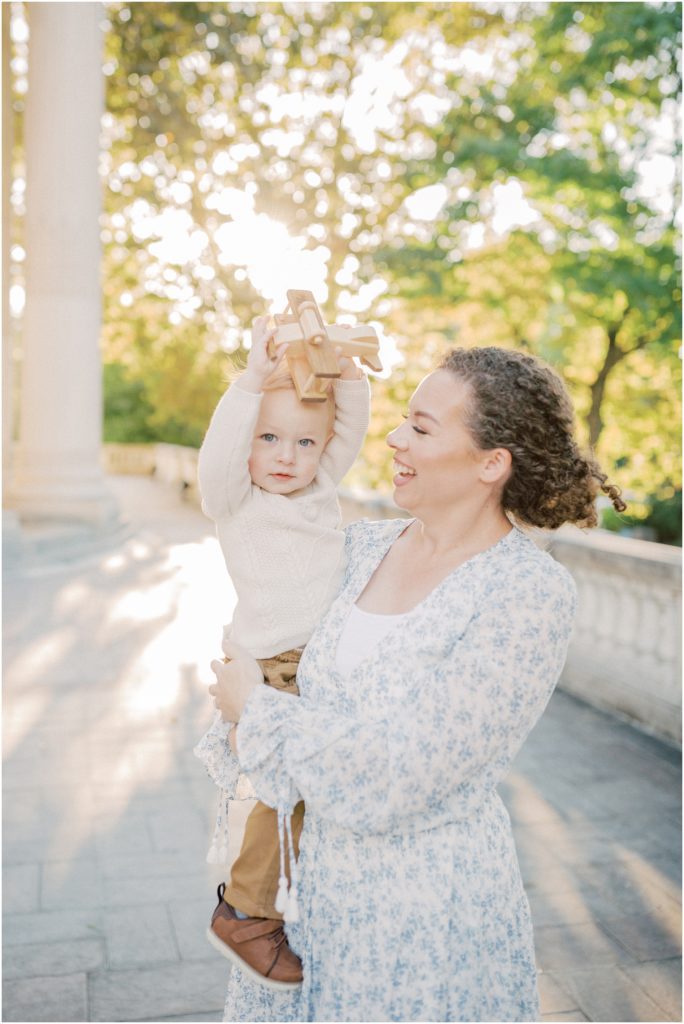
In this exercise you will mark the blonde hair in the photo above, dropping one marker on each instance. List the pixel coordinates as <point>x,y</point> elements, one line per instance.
<point>281,380</point>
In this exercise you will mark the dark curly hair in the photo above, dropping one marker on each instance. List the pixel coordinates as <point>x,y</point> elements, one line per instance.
<point>519,403</point>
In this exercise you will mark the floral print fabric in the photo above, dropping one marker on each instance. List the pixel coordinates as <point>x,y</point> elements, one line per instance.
<point>411,903</point>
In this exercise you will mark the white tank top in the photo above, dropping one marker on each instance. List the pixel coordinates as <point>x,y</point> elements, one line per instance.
<point>361,633</point>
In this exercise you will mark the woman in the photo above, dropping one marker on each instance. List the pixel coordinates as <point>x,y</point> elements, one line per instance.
<point>417,690</point>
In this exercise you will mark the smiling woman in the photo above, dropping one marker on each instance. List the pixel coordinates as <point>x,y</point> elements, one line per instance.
<point>413,904</point>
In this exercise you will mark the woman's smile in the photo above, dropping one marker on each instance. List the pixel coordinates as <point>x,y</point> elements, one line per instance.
<point>403,473</point>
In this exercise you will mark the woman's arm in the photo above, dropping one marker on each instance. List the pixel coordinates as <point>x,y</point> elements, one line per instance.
<point>466,717</point>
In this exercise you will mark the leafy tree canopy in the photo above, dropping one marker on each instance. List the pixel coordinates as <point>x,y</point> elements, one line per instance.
<point>476,173</point>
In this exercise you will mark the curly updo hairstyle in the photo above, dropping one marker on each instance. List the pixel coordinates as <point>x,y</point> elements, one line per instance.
<point>519,403</point>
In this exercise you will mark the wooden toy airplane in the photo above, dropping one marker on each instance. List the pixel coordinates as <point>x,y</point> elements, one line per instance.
<point>311,345</point>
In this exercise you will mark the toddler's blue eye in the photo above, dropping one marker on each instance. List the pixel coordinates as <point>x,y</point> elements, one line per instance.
<point>306,442</point>
<point>268,437</point>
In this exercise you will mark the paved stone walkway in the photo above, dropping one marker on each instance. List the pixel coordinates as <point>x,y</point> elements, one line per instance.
<point>107,813</point>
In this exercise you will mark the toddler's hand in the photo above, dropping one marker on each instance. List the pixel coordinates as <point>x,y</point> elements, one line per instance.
<point>348,368</point>
<point>260,365</point>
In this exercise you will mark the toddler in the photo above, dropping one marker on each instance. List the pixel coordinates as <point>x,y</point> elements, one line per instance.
<point>268,472</point>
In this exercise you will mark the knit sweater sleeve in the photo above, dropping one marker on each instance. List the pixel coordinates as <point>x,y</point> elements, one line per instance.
<point>223,468</point>
<point>352,413</point>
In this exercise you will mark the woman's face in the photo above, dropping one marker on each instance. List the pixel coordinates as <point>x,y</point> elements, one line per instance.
<point>436,460</point>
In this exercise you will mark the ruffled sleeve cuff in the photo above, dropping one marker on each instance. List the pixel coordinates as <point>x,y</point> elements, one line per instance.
<point>213,750</point>
<point>260,741</point>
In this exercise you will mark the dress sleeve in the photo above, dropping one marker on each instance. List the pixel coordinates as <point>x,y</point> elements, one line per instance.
<point>223,470</point>
<point>352,413</point>
<point>466,718</point>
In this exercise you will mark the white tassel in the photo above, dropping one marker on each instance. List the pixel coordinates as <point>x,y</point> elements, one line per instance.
<point>212,856</point>
<point>291,913</point>
<point>281,898</point>
<point>281,901</point>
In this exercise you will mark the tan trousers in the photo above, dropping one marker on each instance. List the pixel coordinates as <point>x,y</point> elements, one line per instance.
<point>254,876</point>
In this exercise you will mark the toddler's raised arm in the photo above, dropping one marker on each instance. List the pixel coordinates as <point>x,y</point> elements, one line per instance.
<point>352,413</point>
<point>222,469</point>
<point>223,465</point>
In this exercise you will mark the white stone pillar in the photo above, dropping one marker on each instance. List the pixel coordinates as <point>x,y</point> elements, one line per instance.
<point>57,471</point>
<point>7,332</point>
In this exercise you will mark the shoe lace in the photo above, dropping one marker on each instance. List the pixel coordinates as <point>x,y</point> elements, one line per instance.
<point>277,937</point>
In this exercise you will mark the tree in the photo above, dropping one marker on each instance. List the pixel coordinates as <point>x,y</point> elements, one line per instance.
<point>215,109</point>
<point>332,119</point>
<point>577,101</point>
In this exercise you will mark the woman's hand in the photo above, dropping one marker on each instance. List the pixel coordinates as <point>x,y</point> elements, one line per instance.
<point>235,681</point>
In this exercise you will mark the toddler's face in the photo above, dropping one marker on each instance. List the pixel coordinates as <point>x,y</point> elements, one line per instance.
<point>289,439</point>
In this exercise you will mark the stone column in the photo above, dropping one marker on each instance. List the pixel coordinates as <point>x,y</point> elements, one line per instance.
<point>7,332</point>
<point>57,471</point>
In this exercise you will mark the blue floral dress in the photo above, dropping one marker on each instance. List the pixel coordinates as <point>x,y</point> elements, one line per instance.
<point>411,903</point>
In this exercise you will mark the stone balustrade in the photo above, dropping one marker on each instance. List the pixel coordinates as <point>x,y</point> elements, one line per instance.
<point>626,649</point>
<point>625,655</point>
<point>176,464</point>
<point>130,459</point>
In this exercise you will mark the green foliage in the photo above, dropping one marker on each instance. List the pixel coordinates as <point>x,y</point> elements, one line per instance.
<point>565,102</point>
<point>665,517</point>
<point>205,98</point>
<point>135,408</point>
<point>127,410</point>
<point>593,283</point>
<point>660,518</point>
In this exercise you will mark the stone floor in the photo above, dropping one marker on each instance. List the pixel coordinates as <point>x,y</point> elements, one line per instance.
<point>107,813</point>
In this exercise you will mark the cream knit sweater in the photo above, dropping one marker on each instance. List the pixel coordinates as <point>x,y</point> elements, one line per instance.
<point>284,555</point>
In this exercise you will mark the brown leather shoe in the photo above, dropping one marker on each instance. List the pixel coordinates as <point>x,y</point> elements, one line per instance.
<point>258,946</point>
